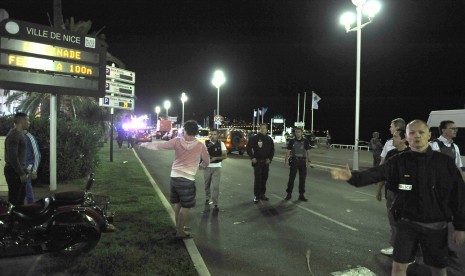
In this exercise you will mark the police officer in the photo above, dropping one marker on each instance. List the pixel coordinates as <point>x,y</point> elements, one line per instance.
<point>298,159</point>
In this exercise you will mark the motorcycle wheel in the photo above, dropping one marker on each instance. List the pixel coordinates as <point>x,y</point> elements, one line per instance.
<point>92,237</point>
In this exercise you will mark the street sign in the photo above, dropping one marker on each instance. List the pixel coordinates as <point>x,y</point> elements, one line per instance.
<point>299,124</point>
<point>218,119</point>
<point>117,102</point>
<point>119,88</point>
<point>278,120</point>
<point>119,74</point>
<point>44,59</point>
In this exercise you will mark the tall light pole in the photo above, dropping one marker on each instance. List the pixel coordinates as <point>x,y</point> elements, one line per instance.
<point>370,8</point>
<point>167,105</point>
<point>217,81</point>
<point>157,110</point>
<point>183,100</point>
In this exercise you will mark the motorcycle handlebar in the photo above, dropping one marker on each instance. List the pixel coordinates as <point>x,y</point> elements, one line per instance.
<point>90,182</point>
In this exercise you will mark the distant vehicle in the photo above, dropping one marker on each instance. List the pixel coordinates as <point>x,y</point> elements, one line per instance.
<point>204,134</point>
<point>144,135</point>
<point>235,139</point>
<point>456,115</point>
<point>170,135</point>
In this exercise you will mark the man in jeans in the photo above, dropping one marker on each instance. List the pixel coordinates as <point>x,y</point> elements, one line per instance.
<point>212,175</point>
<point>298,158</point>
<point>189,152</point>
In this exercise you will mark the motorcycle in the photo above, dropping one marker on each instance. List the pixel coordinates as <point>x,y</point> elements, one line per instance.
<point>68,222</point>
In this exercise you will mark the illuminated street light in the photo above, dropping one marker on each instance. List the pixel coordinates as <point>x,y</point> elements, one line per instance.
<point>183,100</point>
<point>218,80</point>
<point>167,105</point>
<point>157,110</point>
<point>369,8</point>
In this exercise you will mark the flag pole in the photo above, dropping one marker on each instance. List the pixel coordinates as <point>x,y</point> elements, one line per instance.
<point>313,98</point>
<point>305,100</point>
<point>298,106</point>
<point>253,121</point>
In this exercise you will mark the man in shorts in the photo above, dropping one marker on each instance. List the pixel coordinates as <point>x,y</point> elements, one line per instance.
<point>189,152</point>
<point>429,192</point>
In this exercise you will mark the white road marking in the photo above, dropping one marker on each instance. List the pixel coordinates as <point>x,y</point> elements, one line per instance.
<point>370,195</point>
<point>359,271</point>
<point>319,214</point>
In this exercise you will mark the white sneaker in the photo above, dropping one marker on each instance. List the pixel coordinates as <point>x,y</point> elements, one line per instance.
<point>387,251</point>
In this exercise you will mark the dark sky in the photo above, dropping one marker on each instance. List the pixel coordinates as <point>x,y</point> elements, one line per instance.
<point>413,56</point>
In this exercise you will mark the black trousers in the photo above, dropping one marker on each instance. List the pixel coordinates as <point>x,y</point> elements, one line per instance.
<point>260,170</point>
<point>299,165</point>
<point>16,189</point>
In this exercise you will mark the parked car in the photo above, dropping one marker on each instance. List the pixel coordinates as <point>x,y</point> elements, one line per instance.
<point>170,135</point>
<point>234,139</point>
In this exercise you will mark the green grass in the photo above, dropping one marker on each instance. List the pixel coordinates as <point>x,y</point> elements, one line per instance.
<point>143,244</point>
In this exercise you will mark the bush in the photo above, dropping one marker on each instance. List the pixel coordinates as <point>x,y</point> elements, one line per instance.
<point>76,148</point>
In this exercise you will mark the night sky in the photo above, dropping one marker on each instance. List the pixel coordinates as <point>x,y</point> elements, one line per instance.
<point>413,56</point>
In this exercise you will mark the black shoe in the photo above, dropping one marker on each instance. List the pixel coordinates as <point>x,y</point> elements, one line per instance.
<point>263,197</point>
<point>302,198</point>
<point>256,200</point>
<point>289,195</point>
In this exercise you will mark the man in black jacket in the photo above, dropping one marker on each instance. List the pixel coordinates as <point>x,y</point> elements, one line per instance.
<point>15,160</point>
<point>429,192</point>
<point>260,149</point>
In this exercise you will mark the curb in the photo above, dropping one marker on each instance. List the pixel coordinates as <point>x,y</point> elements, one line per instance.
<point>191,247</point>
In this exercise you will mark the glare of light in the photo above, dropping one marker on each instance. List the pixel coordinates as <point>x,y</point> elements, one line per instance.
<point>218,78</point>
<point>371,8</point>
<point>167,104</point>
<point>347,19</point>
<point>157,109</point>
<point>136,123</point>
<point>183,97</point>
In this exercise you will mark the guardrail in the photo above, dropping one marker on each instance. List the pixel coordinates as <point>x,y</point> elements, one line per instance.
<point>351,147</point>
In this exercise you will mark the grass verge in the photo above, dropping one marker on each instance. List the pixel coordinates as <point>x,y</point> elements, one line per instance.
<point>143,244</point>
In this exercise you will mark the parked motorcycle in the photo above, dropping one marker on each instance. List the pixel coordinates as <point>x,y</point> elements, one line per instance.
<point>68,222</point>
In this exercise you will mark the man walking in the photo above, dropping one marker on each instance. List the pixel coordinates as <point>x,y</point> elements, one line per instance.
<point>32,164</point>
<point>429,192</point>
<point>212,174</point>
<point>189,152</point>
<point>260,149</point>
<point>15,160</point>
<point>298,159</point>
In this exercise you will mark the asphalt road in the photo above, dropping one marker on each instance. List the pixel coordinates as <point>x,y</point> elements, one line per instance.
<point>341,228</point>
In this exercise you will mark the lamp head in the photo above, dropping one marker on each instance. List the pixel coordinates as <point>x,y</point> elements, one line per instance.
<point>347,19</point>
<point>371,8</point>
<point>218,78</point>
<point>183,97</point>
<point>167,104</point>
<point>157,109</point>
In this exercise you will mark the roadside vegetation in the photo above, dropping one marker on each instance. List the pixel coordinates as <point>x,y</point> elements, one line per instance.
<point>143,243</point>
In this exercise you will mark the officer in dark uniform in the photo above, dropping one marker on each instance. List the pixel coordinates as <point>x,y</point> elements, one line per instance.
<point>298,158</point>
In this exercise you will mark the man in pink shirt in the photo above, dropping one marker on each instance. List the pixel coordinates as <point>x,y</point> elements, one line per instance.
<point>189,152</point>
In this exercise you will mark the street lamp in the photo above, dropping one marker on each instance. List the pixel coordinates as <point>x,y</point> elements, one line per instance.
<point>167,105</point>
<point>217,81</point>
<point>370,8</point>
<point>183,100</point>
<point>157,110</point>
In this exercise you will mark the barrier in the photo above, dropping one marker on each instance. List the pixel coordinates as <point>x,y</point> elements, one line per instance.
<point>351,147</point>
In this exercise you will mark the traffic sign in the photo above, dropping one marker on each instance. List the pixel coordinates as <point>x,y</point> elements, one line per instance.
<point>117,102</point>
<point>278,120</point>
<point>299,124</point>
<point>119,88</point>
<point>119,74</point>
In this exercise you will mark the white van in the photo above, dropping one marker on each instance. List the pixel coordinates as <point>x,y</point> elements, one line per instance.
<point>456,115</point>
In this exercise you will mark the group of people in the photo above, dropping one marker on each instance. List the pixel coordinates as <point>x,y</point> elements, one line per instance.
<point>191,154</point>
<point>22,159</point>
<point>424,191</point>
<point>424,187</point>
